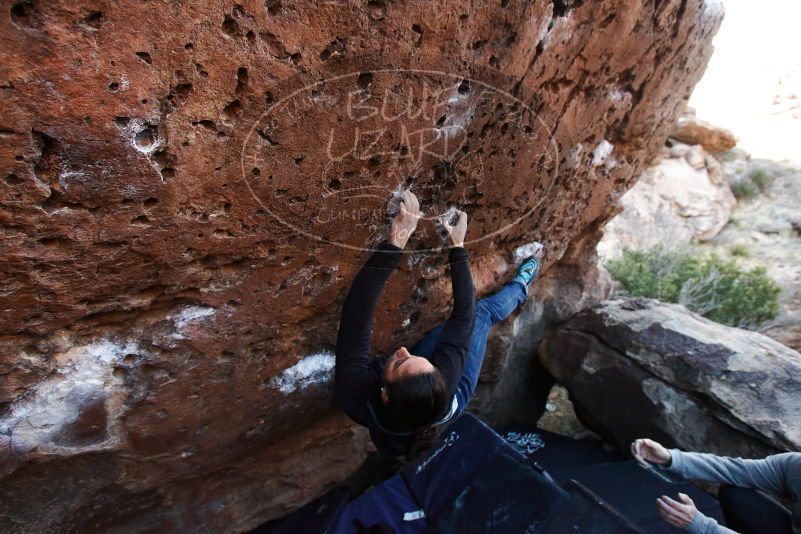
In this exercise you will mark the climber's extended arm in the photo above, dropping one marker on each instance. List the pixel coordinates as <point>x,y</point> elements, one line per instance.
<point>454,342</point>
<point>768,474</point>
<point>357,375</point>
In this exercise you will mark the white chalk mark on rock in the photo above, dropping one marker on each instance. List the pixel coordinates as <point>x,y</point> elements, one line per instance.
<point>619,97</point>
<point>313,369</point>
<point>83,376</point>
<point>189,315</point>
<point>143,136</point>
<point>67,177</point>
<point>602,153</point>
<point>529,249</point>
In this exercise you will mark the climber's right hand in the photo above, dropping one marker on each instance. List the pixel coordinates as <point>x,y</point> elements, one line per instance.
<point>456,232</point>
<point>648,450</point>
<point>405,221</point>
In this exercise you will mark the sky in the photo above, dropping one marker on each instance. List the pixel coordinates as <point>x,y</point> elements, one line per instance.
<point>752,85</point>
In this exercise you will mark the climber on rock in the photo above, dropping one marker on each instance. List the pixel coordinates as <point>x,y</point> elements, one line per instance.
<point>745,509</point>
<point>401,396</point>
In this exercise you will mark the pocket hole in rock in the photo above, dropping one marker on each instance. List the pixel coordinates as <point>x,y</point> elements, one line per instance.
<point>230,27</point>
<point>94,20</point>
<point>273,7</point>
<point>232,110</point>
<point>144,56</point>
<point>13,179</point>
<point>364,80</point>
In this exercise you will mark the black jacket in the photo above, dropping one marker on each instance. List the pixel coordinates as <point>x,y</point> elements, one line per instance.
<point>358,377</point>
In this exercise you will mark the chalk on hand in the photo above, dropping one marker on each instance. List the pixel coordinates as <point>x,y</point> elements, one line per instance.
<point>393,207</point>
<point>450,215</point>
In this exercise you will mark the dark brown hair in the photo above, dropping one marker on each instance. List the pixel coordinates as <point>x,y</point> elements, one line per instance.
<point>417,401</point>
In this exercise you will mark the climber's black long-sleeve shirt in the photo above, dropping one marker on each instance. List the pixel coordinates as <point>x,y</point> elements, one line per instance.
<point>358,377</point>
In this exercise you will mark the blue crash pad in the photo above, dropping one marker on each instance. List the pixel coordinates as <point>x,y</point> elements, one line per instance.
<point>473,481</point>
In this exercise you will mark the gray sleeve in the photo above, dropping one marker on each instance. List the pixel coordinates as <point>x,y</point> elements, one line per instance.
<point>768,475</point>
<point>706,525</point>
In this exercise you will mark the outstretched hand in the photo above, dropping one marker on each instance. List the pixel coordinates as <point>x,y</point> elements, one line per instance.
<point>678,514</point>
<point>648,450</point>
<point>405,221</point>
<point>457,231</point>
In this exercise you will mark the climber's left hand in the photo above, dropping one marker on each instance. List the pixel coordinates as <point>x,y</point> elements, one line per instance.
<point>405,222</point>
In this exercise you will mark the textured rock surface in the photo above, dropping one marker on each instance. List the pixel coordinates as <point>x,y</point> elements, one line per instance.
<point>168,285</point>
<point>673,204</point>
<point>693,131</point>
<point>640,368</point>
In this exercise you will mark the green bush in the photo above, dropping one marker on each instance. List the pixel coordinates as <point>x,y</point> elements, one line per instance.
<point>738,250</point>
<point>752,184</point>
<point>708,285</point>
<point>743,188</point>
<point>761,178</point>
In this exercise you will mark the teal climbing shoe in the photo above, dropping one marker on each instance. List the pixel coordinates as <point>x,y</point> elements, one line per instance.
<point>527,272</point>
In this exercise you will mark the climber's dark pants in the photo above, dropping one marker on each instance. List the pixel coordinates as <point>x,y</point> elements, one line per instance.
<point>489,310</point>
<point>749,512</point>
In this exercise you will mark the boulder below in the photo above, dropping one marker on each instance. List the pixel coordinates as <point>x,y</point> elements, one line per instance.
<point>642,368</point>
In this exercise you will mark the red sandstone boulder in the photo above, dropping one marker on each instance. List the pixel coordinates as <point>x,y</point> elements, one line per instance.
<point>188,189</point>
<point>693,131</point>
